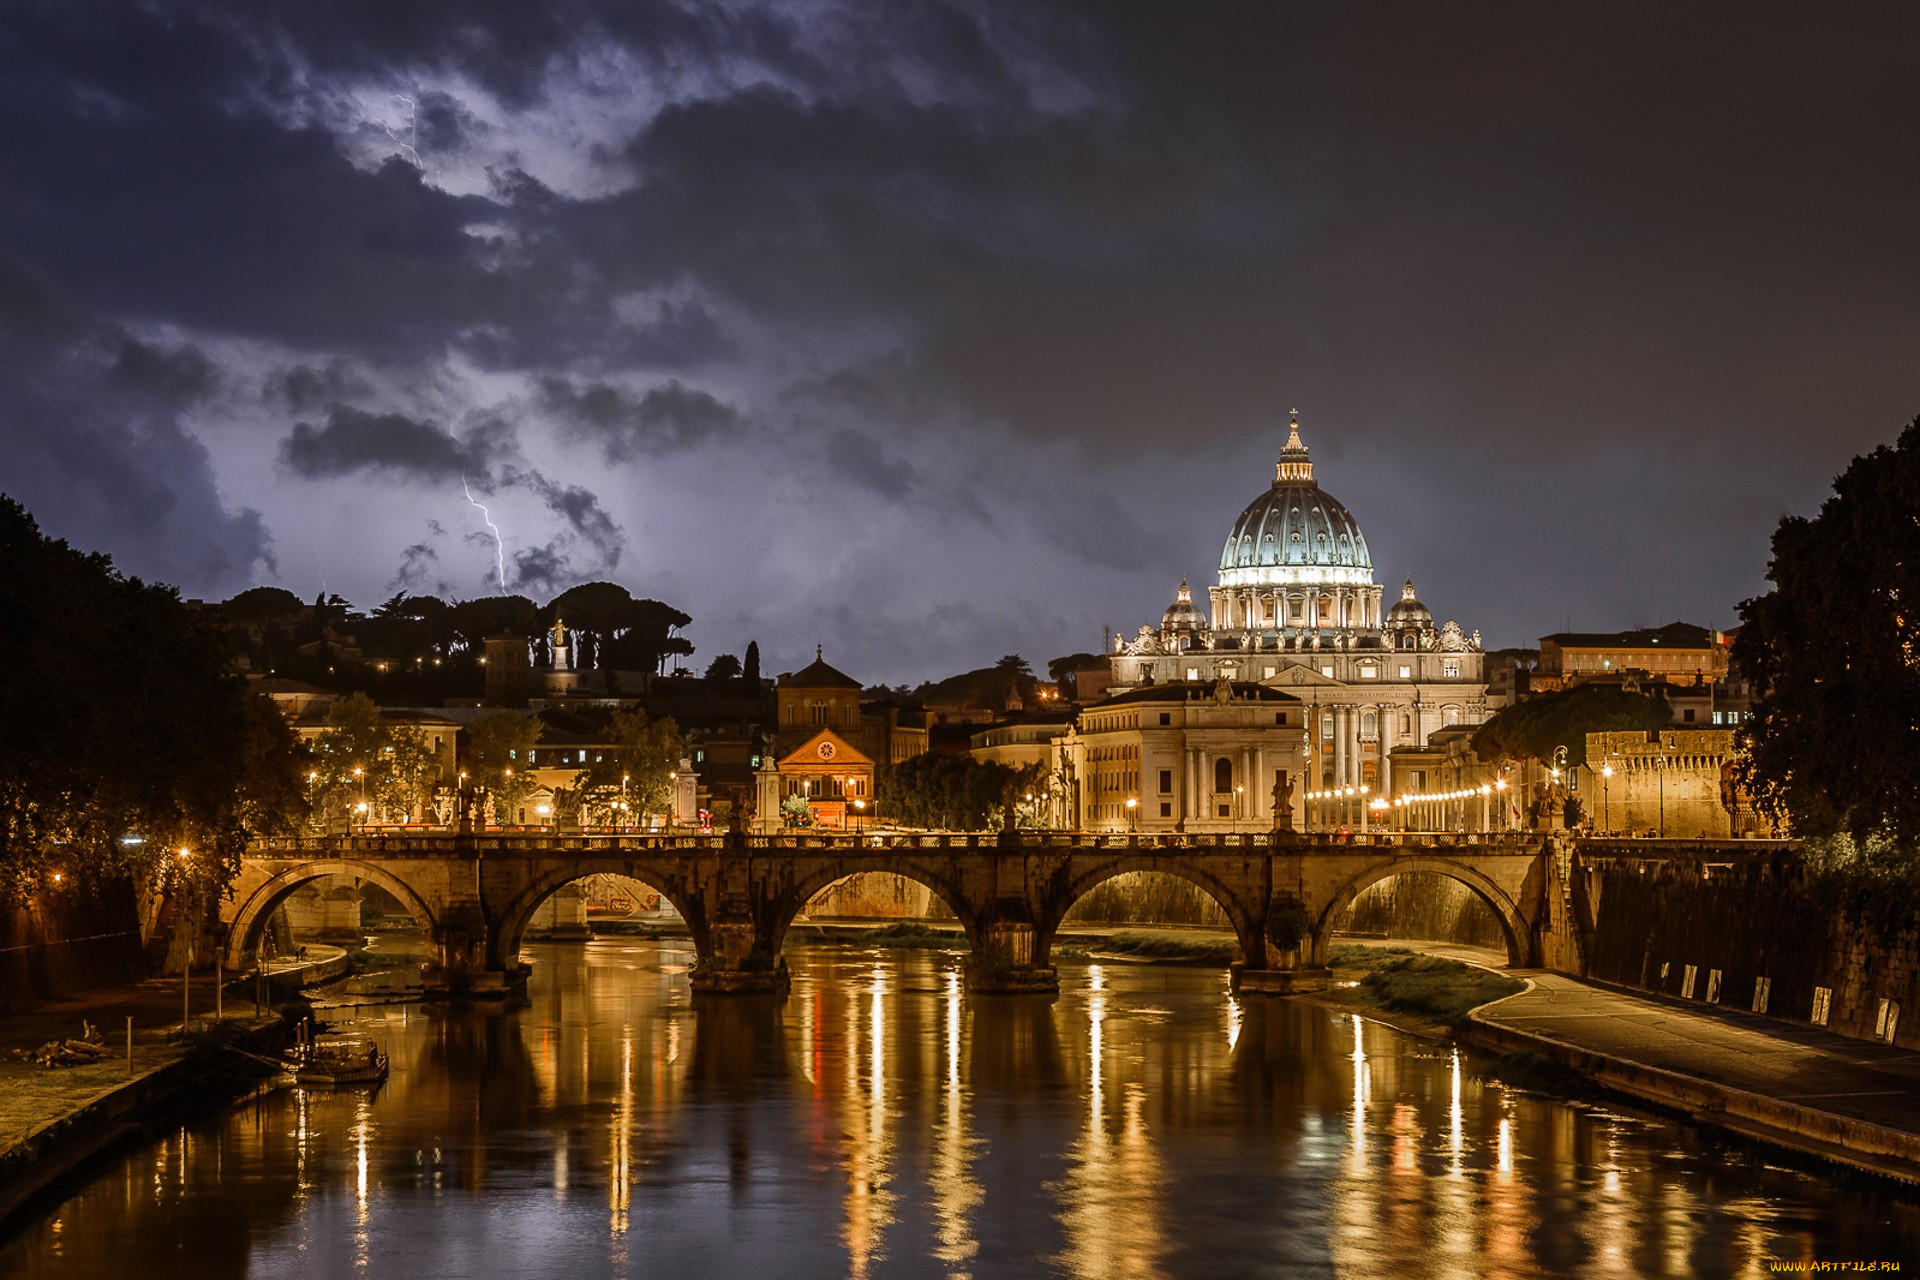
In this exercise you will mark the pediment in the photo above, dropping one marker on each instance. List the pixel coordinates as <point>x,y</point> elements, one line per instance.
<point>1298,675</point>
<point>825,749</point>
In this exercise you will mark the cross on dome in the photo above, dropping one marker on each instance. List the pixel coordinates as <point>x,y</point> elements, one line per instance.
<point>1294,463</point>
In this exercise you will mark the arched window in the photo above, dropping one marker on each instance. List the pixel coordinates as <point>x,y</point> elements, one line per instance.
<point>1406,641</point>
<point>1406,724</point>
<point>1222,775</point>
<point>1369,726</point>
<point>1450,715</point>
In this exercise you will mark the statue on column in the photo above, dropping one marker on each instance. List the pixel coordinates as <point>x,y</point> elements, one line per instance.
<point>557,638</point>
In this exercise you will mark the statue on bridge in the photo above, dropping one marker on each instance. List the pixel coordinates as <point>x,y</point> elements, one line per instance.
<point>1283,802</point>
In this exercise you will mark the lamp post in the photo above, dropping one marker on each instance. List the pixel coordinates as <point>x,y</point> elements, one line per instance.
<point>1606,795</point>
<point>186,960</point>
<point>1239,803</point>
<point>1660,768</point>
<point>1133,805</point>
<point>361,775</point>
<point>860,816</point>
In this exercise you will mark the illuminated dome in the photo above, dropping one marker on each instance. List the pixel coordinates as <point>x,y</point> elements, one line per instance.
<point>1181,614</point>
<point>1409,612</point>
<point>1295,532</point>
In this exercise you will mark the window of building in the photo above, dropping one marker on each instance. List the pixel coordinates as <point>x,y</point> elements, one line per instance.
<point>1406,641</point>
<point>1686,715</point>
<point>1450,669</point>
<point>1367,671</point>
<point>1450,716</point>
<point>1369,726</point>
<point>1166,781</point>
<point>1269,675</point>
<point>1406,672</point>
<point>1406,723</point>
<point>1193,673</point>
<point>1222,775</point>
<point>1327,670</point>
<point>1279,717</point>
<point>1266,609</point>
<point>1166,808</point>
<point>1166,717</point>
<point>1295,609</point>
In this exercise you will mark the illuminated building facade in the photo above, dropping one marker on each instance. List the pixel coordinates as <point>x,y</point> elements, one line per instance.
<point>1295,615</point>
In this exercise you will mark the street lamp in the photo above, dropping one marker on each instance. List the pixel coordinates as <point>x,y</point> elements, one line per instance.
<point>1660,768</point>
<point>859,816</point>
<point>1132,805</point>
<point>1606,798</point>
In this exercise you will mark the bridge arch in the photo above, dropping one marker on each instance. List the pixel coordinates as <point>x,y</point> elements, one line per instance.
<point>519,911</point>
<point>1513,926</point>
<point>807,887</point>
<point>1239,913</point>
<point>251,913</point>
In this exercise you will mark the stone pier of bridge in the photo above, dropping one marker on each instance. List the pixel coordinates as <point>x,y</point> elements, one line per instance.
<point>474,894</point>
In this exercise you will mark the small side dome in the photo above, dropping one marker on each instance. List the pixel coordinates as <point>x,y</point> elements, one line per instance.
<point>1409,612</point>
<point>1181,615</point>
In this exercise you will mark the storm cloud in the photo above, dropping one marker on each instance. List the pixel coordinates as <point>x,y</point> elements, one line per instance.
<point>991,312</point>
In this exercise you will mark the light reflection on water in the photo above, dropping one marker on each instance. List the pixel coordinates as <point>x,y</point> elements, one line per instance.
<point>880,1122</point>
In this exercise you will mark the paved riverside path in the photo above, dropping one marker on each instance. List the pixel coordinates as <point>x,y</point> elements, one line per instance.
<point>1790,1062</point>
<point>1851,1100</point>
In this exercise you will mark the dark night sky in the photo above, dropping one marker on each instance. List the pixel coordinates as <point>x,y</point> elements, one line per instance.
<point>936,332</point>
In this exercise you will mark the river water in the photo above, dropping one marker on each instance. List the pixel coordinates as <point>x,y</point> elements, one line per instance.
<point>880,1122</point>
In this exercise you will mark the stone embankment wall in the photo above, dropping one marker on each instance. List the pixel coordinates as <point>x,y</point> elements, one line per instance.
<point>1425,905</point>
<point>1746,932</point>
<point>57,944</point>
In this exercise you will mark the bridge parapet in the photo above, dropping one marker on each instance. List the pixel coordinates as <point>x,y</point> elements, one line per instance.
<point>446,842</point>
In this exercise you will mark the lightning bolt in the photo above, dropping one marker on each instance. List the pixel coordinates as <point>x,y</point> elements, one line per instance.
<point>413,131</point>
<point>499,543</point>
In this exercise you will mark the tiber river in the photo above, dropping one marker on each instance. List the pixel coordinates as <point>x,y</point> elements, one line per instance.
<point>880,1122</point>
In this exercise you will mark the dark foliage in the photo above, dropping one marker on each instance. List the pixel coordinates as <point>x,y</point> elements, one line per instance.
<point>127,738</point>
<point>1532,729</point>
<point>1834,654</point>
<point>957,793</point>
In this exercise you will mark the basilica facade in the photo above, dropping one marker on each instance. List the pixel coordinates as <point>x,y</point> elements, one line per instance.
<point>1293,678</point>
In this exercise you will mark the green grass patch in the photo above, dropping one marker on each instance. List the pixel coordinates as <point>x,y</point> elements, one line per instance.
<point>1152,946</point>
<point>1433,988</point>
<point>902,935</point>
<point>1349,955</point>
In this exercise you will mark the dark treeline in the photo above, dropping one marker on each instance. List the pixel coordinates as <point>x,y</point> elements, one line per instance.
<point>129,738</point>
<point>419,648</point>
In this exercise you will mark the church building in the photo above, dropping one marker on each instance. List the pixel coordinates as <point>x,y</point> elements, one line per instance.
<point>1293,678</point>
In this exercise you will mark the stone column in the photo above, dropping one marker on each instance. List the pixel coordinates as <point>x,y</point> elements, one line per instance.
<point>1340,745</point>
<point>1004,961</point>
<point>738,962</point>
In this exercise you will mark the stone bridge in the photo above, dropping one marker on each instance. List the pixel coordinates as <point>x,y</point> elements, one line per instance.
<point>474,894</point>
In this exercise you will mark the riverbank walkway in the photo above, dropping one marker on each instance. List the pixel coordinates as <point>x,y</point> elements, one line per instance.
<point>1853,1101</point>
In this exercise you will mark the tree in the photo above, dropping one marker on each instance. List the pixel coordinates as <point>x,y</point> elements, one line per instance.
<point>1833,651</point>
<point>724,667</point>
<point>637,772</point>
<point>361,760</point>
<point>750,672</point>
<point>496,760</point>
<point>1533,728</point>
<point>127,737</point>
<point>955,792</point>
